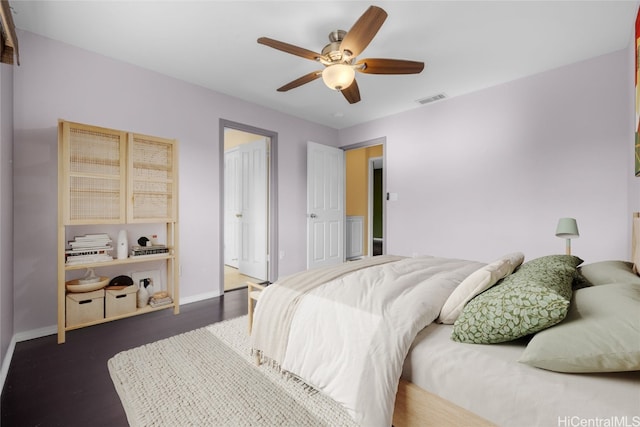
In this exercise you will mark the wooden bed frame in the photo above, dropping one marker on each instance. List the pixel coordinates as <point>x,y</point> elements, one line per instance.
<point>416,407</point>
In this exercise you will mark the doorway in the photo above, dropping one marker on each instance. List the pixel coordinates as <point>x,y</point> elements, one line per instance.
<point>365,189</point>
<point>248,183</point>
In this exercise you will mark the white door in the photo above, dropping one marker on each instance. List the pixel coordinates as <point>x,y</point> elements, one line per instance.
<point>325,205</point>
<point>232,207</point>
<point>253,220</point>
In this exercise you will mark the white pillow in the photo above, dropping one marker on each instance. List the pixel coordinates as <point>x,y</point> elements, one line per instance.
<point>476,283</point>
<point>515,259</point>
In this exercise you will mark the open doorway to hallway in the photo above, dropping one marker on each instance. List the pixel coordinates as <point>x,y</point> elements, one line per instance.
<point>364,201</point>
<point>248,207</point>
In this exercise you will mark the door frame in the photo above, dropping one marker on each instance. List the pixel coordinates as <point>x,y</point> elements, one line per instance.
<point>369,143</point>
<point>272,227</point>
<point>230,240</point>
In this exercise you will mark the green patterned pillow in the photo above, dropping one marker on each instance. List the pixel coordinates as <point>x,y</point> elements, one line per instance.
<point>534,297</point>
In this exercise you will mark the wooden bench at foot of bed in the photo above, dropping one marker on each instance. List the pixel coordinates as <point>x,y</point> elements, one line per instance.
<point>416,407</point>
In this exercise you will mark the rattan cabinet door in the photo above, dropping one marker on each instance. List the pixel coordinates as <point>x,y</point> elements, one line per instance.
<point>92,174</point>
<point>152,179</point>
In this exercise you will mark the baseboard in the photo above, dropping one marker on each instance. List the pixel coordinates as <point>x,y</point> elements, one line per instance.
<point>199,297</point>
<point>36,333</point>
<point>6,362</point>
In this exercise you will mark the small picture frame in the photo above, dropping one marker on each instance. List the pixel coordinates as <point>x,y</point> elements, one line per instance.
<point>148,280</point>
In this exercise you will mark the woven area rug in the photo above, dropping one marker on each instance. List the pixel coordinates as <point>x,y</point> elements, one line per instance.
<point>207,377</point>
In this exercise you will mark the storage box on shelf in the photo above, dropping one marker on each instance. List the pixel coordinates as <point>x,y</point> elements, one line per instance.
<point>109,176</point>
<point>121,301</point>
<point>85,307</point>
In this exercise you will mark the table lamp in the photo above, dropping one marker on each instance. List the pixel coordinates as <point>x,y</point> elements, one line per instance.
<point>567,229</point>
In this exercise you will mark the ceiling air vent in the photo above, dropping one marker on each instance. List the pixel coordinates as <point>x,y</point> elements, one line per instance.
<point>433,98</point>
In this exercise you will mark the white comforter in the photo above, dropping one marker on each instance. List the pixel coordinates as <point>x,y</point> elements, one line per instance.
<point>349,336</point>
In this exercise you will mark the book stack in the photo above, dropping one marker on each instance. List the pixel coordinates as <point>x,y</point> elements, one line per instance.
<point>149,250</point>
<point>89,248</point>
<point>160,299</point>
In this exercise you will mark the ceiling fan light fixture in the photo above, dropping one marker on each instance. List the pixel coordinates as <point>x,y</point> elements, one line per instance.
<point>339,57</point>
<point>338,76</point>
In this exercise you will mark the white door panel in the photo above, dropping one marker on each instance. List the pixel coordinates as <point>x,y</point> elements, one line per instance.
<point>253,251</point>
<point>232,210</point>
<point>325,205</point>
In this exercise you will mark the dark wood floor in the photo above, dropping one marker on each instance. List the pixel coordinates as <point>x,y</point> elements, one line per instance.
<point>68,385</point>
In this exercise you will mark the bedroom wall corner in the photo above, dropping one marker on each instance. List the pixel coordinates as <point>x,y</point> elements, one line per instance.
<point>6,220</point>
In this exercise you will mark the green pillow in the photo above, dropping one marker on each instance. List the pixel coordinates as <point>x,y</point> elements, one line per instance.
<point>601,333</point>
<point>606,272</point>
<point>534,297</point>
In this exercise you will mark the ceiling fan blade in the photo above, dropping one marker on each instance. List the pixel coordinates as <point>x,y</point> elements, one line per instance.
<point>289,48</point>
<point>300,81</point>
<point>363,31</point>
<point>352,93</point>
<point>389,66</point>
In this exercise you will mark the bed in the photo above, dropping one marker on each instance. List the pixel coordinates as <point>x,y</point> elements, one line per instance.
<point>440,341</point>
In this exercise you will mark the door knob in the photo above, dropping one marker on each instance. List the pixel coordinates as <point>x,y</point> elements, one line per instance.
<point>238,215</point>
<point>313,216</point>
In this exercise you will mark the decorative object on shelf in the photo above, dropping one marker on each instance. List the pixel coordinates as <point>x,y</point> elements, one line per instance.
<point>143,297</point>
<point>120,282</point>
<point>148,246</point>
<point>159,299</point>
<point>89,277</point>
<point>148,282</point>
<point>90,282</point>
<point>123,244</point>
<point>567,229</point>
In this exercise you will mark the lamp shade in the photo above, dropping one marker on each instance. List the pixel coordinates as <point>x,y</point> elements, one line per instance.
<point>338,76</point>
<point>567,228</point>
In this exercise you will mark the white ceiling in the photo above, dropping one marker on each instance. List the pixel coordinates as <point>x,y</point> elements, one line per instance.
<point>466,45</point>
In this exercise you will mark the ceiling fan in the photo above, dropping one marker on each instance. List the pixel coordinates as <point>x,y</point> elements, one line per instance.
<point>339,57</point>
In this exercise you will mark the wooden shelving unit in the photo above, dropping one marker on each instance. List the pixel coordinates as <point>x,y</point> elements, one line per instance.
<point>108,177</point>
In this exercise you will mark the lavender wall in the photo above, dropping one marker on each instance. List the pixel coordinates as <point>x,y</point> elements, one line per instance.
<point>59,81</point>
<point>484,174</point>
<point>488,173</point>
